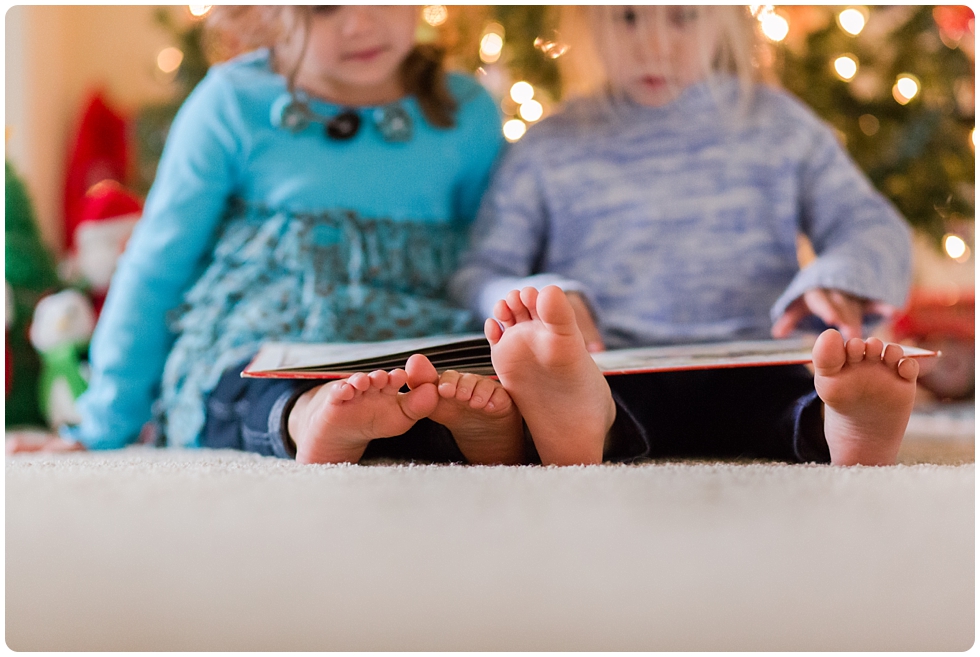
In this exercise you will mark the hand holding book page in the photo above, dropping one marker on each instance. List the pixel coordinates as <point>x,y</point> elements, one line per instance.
<point>471,353</point>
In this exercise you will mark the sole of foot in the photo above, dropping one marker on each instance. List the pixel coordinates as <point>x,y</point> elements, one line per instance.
<point>334,423</point>
<point>867,389</point>
<point>478,412</point>
<point>540,356</point>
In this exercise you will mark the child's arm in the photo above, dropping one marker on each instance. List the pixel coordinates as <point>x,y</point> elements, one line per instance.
<point>862,243</point>
<point>130,345</point>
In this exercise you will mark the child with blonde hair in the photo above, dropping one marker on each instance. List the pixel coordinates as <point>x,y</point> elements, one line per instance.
<point>313,190</point>
<point>663,206</point>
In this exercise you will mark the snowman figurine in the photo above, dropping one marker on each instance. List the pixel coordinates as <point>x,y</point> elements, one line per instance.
<point>109,213</point>
<point>62,326</point>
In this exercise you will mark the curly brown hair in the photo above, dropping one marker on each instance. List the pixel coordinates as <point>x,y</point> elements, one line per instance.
<point>238,29</point>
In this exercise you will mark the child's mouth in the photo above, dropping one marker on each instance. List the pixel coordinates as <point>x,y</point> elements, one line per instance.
<point>654,81</point>
<point>366,55</point>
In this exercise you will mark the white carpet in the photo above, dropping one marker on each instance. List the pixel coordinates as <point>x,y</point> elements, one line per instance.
<point>167,550</point>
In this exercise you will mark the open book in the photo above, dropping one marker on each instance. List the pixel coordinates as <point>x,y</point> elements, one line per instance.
<point>471,353</point>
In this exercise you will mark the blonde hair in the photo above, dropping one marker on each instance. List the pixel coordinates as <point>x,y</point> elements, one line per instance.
<point>588,32</point>
<point>238,29</point>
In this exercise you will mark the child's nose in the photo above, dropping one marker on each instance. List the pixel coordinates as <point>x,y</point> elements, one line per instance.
<point>359,19</point>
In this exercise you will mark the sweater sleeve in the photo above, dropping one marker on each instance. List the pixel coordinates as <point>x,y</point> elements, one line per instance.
<point>196,174</point>
<point>508,239</point>
<point>863,244</point>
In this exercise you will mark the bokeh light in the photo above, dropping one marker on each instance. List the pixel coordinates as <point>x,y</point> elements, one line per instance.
<point>522,92</point>
<point>514,129</point>
<point>906,88</point>
<point>169,59</point>
<point>852,20</point>
<point>435,15</point>
<point>774,26</point>
<point>531,111</point>
<point>846,66</point>
<point>956,247</point>
<point>199,11</point>
<point>490,47</point>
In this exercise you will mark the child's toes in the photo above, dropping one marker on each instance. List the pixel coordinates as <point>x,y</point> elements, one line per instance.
<point>499,399</point>
<point>447,384</point>
<point>893,353</point>
<point>379,379</point>
<point>419,370</point>
<point>828,353</point>
<point>397,378</point>
<point>855,350</point>
<point>872,350</point>
<point>493,331</point>
<point>908,369</point>
<point>517,307</point>
<point>503,313</point>
<point>360,381</point>
<point>529,297</point>
<point>465,386</point>
<point>482,392</point>
<point>340,391</point>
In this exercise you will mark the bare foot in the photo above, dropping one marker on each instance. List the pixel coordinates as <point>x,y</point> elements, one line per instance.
<point>867,396</point>
<point>333,423</point>
<point>477,411</point>
<point>541,359</point>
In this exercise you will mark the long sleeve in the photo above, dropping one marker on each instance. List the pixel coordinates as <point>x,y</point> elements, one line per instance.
<point>197,172</point>
<point>508,238</point>
<point>862,243</point>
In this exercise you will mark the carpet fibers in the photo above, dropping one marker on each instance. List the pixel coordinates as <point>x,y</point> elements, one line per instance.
<point>215,550</point>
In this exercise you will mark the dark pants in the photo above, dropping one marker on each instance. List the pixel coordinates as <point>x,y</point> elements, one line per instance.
<point>753,412</point>
<point>251,414</point>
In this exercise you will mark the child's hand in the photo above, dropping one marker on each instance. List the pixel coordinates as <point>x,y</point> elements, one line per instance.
<point>835,308</point>
<point>35,441</point>
<point>586,323</point>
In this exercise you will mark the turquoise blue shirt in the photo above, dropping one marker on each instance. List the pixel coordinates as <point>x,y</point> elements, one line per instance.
<point>223,146</point>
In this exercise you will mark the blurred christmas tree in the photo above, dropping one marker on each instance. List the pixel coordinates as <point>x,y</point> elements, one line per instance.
<point>898,84</point>
<point>191,60</point>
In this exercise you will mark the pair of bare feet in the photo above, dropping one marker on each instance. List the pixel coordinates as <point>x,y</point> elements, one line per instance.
<point>334,423</point>
<point>545,370</point>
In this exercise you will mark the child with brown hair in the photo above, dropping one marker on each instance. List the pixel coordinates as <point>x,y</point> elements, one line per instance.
<point>663,206</point>
<point>314,189</point>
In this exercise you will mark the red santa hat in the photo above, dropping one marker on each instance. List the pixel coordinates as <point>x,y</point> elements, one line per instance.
<point>109,200</point>
<point>99,150</point>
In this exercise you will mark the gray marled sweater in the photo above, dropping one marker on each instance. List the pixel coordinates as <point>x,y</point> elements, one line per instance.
<point>680,223</point>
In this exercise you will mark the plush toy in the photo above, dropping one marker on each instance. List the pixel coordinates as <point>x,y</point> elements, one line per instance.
<point>99,151</point>
<point>107,216</point>
<point>62,326</point>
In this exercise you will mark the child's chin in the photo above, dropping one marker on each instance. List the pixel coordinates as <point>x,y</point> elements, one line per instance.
<point>653,97</point>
